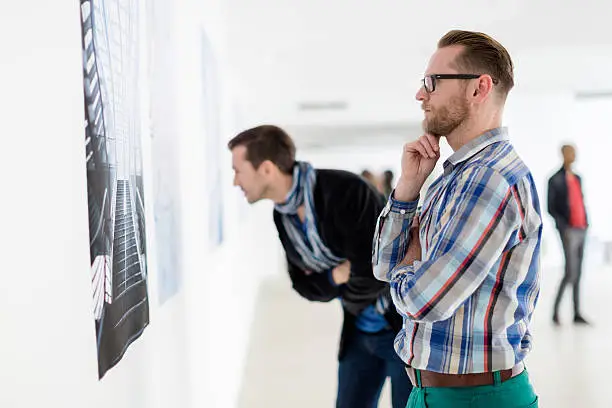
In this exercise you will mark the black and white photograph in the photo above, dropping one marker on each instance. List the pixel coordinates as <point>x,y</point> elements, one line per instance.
<point>113,131</point>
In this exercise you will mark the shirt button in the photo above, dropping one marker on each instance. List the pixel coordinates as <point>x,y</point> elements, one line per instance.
<point>402,212</point>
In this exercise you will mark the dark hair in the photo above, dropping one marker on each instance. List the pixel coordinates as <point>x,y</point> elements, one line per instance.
<point>482,55</point>
<point>267,142</point>
<point>565,147</point>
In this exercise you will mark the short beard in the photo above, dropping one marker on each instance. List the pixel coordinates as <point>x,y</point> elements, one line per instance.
<point>446,119</point>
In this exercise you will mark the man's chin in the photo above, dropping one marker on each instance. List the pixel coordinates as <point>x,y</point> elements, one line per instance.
<point>253,200</point>
<point>427,129</point>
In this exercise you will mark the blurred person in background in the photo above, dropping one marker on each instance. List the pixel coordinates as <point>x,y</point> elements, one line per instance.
<point>387,183</point>
<point>466,275</point>
<point>325,221</point>
<point>369,176</point>
<point>566,206</point>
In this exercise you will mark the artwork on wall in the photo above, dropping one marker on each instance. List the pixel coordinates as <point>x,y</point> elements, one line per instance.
<point>167,213</point>
<point>114,175</point>
<point>212,133</point>
<point>164,149</point>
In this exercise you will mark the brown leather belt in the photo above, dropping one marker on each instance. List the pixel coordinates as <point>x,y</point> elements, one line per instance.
<point>432,379</point>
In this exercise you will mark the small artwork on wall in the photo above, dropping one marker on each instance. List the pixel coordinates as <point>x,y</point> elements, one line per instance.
<point>165,163</point>
<point>112,139</point>
<point>212,134</point>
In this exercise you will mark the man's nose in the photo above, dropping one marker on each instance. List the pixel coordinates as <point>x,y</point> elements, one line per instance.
<point>421,94</point>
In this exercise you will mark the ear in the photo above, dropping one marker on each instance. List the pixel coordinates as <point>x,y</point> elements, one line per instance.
<point>266,167</point>
<point>481,88</point>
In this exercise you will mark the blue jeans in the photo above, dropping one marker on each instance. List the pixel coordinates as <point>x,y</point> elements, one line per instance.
<point>368,360</point>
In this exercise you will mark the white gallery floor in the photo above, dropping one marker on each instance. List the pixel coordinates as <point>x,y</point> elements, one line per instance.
<point>292,356</point>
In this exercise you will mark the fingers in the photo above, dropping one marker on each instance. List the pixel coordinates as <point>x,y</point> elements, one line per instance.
<point>414,230</point>
<point>435,142</point>
<point>413,253</point>
<point>427,146</point>
<point>430,147</point>
<point>417,147</point>
<point>414,233</point>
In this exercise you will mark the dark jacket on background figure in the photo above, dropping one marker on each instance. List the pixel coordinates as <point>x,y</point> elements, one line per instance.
<point>558,199</point>
<point>346,209</point>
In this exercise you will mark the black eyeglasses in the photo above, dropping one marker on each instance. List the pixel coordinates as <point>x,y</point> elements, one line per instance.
<point>429,82</point>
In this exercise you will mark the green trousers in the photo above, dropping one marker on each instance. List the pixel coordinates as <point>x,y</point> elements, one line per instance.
<point>516,392</point>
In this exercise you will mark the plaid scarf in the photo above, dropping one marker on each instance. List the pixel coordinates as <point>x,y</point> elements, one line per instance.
<point>314,253</point>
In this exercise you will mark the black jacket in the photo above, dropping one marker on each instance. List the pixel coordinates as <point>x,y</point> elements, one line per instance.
<point>346,209</point>
<point>558,199</point>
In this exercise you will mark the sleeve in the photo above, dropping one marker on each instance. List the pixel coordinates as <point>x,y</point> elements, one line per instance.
<point>552,202</point>
<point>551,197</point>
<point>355,214</point>
<point>392,236</point>
<point>480,219</point>
<point>318,287</point>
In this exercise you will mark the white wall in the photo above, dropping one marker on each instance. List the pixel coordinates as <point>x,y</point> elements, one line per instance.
<point>540,123</point>
<point>222,282</point>
<point>48,347</point>
<point>192,352</point>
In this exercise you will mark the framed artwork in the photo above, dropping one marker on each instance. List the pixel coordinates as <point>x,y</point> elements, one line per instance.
<point>214,175</point>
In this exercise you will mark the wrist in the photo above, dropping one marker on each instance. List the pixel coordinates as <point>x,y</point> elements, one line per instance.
<point>406,191</point>
<point>332,277</point>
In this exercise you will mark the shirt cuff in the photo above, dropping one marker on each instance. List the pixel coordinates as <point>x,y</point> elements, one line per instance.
<point>404,271</point>
<point>331,277</point>
<point>406,209</point>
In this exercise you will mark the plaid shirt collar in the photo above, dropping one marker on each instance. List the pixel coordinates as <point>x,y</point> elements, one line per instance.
<point>469,149</point>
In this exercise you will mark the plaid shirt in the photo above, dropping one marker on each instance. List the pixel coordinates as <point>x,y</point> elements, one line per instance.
<point>468,302</point>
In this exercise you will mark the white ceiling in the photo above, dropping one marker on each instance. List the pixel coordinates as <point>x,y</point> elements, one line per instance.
<point>365,57</point>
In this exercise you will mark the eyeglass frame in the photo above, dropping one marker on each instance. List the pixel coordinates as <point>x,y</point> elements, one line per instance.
<point>449,76</point>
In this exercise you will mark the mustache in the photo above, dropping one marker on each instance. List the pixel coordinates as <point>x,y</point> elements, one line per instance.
<point>425,107</point>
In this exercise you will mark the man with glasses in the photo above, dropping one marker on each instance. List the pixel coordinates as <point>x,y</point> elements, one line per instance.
<point>466,275</point>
